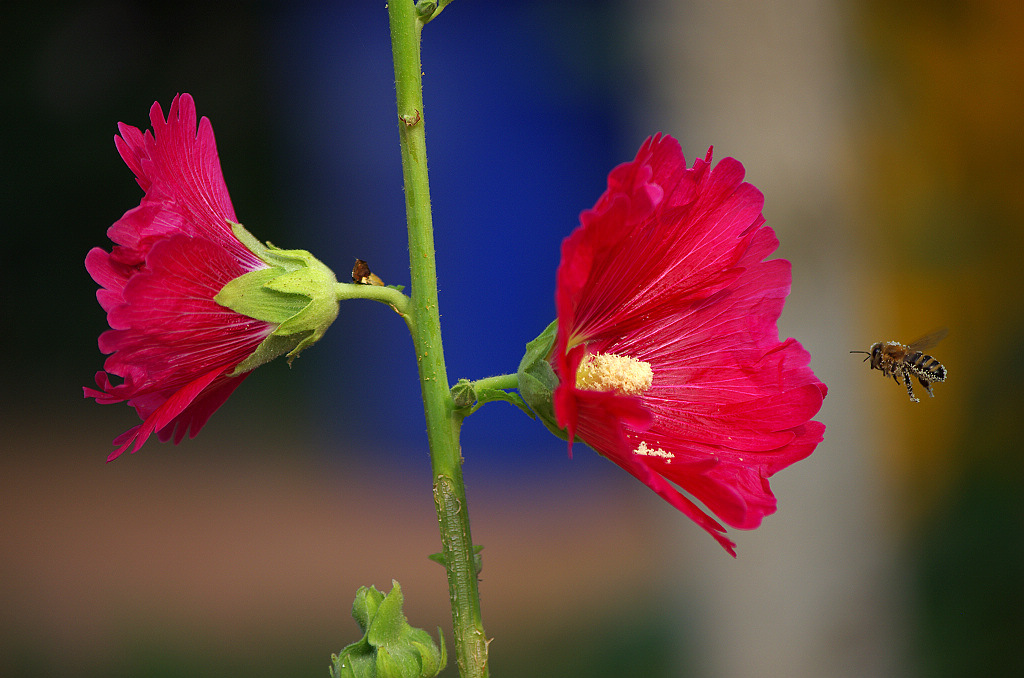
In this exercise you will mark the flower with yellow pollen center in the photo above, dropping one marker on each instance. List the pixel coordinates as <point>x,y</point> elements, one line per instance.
<point>610,372</point>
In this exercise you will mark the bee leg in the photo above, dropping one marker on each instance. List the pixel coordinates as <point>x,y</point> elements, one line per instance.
<point>910,388</point>
<point>927,386</point>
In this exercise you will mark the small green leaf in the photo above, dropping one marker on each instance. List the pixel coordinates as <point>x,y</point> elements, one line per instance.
<point>478,560</point>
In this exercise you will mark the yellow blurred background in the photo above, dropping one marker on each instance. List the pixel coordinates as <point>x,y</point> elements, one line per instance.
<point>888,140</point>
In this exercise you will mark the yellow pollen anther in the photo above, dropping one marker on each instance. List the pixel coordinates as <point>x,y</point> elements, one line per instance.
<point>610,372</point>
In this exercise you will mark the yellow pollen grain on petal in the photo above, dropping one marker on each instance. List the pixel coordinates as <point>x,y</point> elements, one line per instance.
<point>610,372</point>
<point>645,451</point>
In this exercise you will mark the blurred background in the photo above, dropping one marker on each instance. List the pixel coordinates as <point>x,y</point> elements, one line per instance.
<point>888,140</point>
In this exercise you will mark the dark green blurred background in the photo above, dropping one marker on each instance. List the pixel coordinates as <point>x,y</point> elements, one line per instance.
<point>888,140</point>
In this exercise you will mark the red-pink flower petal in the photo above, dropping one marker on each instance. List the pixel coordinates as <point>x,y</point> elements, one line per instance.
<point>668,268</point>
<point>169,328</point>
<point>171,343</point>
<point>178,167</point>
<point>187,408</point>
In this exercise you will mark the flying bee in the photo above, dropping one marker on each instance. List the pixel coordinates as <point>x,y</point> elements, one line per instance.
<point>893,358</point>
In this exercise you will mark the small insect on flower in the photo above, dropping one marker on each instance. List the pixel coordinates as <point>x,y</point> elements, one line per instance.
<point>362,275</point>
<point>893,358</point>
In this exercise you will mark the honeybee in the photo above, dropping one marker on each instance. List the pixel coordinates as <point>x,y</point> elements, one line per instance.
<point>893,358</point>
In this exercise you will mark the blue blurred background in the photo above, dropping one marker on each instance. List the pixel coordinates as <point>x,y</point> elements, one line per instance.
<point>887,139</point>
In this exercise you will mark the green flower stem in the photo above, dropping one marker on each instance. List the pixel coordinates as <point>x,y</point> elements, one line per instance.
<point>387,295</point>
<point>506,382</point>
<point>443,422</point>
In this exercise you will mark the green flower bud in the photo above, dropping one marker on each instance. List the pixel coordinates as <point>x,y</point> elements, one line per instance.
<point>390,647</point>
<point>296,292</point>
<point>463,393</point>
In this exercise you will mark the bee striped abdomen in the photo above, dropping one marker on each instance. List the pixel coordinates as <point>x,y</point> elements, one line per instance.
<point>926,367</point>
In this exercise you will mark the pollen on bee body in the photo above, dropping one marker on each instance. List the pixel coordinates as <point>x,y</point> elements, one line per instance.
<point>610,372</point>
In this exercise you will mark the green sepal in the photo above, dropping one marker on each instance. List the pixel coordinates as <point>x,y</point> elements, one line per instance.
<point>390,647</point>
<point>296,293</point>
<point>249,295</point>
<point>365,605</point>
<point>538,381</point>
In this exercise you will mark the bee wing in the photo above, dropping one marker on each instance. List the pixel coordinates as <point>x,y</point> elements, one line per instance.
<point>928,340</point>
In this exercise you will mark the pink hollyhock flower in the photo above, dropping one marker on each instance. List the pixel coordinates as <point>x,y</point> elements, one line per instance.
<point>665,357</point>
<point>194,302</point>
